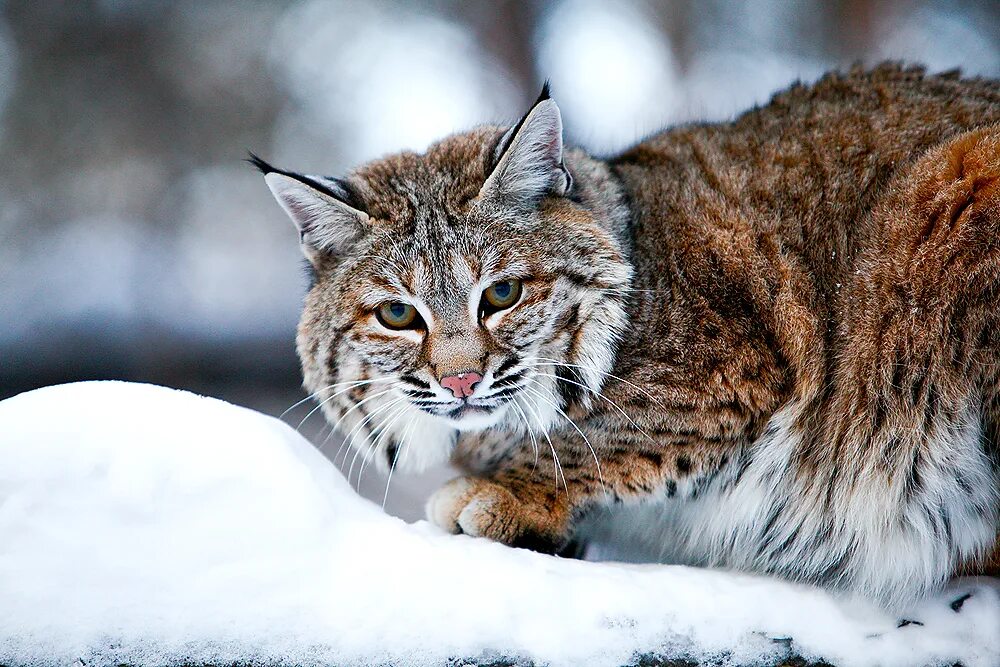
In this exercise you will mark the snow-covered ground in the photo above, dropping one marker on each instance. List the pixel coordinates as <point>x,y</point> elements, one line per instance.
<point>143,525</point>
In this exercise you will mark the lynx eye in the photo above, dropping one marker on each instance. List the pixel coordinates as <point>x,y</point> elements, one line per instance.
<point>398,315</point>
<point>501,295</point>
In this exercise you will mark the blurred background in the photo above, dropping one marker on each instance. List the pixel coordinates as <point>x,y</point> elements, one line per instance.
<point>135,244</point>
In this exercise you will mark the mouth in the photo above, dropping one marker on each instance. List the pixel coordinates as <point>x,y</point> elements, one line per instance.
<point>471,412</point>
<point>468,410</point>
<point>469,416</point>
<point>459,409</point>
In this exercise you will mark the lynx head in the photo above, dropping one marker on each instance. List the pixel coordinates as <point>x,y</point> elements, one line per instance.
<point>453,288</point>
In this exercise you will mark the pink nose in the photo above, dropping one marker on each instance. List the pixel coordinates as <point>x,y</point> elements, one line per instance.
<point>461,385</point>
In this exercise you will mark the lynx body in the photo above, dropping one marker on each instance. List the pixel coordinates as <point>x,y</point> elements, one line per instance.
<point>771,344</point>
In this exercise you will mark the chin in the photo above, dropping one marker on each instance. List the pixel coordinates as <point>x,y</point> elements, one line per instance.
<point>477,419</point>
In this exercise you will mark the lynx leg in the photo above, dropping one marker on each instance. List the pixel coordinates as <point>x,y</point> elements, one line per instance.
<point>535,498</point>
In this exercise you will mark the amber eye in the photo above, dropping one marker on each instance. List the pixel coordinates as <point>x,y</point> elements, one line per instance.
<point>501,295</point>
<point>398,315</point>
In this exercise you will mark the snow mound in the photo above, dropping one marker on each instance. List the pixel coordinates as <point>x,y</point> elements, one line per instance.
<point>142,525</point>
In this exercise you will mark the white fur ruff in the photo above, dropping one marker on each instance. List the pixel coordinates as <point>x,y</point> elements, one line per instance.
<point>868,542</point>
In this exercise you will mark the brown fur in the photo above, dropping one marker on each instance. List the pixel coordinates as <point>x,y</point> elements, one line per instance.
<point>832,257</point>
<point>803,253</point>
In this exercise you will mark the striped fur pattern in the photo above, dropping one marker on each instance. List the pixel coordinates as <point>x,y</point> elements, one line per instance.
<point>770,345</point>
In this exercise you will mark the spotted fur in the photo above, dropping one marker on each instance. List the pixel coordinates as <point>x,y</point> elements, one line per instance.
<point>770,344</point>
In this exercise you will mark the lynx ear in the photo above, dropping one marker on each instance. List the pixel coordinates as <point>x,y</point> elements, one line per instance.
<point>529,158</point>
<point>326,211</point>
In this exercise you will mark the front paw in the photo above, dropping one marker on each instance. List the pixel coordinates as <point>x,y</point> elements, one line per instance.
<point>483,508</point>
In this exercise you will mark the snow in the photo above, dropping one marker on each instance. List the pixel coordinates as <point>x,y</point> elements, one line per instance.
<point>143,525</point>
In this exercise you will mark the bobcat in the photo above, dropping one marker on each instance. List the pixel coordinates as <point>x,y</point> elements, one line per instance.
<point>771,344</point>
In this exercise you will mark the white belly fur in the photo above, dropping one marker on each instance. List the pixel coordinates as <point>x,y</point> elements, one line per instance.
<point>869,541</point>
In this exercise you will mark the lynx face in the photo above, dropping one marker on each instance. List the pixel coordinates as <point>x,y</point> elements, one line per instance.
<point>452,287</point>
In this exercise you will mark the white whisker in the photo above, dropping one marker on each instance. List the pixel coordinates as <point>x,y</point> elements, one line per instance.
<point>404,440</point>
<point>349,411</point>
<point>531,434</point>
<point>355,383</point>
<point>356,430</point>
<point>556,362</point>
<point>597,462</point>
<point>349,438</point>
<point>327,388</point>
<point>556,466</point>
<point>602,397</point>
<point>383,431</point>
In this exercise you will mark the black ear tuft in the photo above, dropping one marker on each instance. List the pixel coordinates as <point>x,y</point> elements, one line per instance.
<point>527,160</point>
<point>338,188</point>
<point>504,142</point>
<point>260,164</point>
<point>544,95</point>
